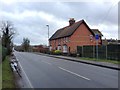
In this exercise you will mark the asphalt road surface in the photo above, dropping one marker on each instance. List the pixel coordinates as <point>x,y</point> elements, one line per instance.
<point>48,72</point>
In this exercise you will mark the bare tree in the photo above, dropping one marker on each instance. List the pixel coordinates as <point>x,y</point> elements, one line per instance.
<point>26,44</point>
<point>8,32</point>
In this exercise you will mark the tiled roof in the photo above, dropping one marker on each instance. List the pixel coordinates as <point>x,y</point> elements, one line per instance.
<point>96,31</point>
<point>68,30</point>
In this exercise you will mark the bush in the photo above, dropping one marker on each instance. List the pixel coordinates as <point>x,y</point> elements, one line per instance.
<point>57,52</point>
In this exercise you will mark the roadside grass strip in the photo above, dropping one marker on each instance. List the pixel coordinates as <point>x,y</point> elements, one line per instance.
<point>7,75</point>
<point>0,67</point>
<point>0,76</point>
<point>101,60</point>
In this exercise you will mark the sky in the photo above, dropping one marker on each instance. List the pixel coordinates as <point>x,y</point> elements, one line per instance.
<point>30,17</point>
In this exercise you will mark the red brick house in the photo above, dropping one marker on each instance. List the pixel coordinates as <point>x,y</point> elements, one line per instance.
<point>40,48</point>
<point>76,34</point>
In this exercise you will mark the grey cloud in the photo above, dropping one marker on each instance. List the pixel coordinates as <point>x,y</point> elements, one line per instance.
<point>94,12</point>
<point>35,27</point>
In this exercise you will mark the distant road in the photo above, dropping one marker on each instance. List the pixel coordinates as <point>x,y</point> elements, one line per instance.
<point>48,72</point>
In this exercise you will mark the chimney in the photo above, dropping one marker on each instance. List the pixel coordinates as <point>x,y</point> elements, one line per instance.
<point>71,21</point>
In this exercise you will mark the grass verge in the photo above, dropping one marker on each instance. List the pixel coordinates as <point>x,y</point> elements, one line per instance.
<point>0,76</point>
<point>0,67</point>
<point>101,60</point>
<point>7,74</point>
<point>0,49</point>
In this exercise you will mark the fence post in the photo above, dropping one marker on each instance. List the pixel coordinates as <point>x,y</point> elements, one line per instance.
<point>82,51</point>
<point>93,52</point>
<point>106,51</point>
<point>97,48</point>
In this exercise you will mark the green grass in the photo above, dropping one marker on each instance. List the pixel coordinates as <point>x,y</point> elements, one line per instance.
<point>7,75</point>
<point>0,76</point>
<point>0,51</point>
<point>0,68</point>
<point>0,48</point>
<point>101,60</point>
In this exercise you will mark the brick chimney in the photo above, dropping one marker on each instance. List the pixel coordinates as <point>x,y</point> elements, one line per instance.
<point>71,21</point>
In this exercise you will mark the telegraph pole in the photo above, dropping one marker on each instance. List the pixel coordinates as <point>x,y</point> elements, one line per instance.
<point>48,34</point>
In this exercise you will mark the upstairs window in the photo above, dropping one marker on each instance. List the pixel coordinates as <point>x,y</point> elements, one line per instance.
<point>59,41</point>
<point>63,40</point>
<point>67,39</point>
<point>91,37</point>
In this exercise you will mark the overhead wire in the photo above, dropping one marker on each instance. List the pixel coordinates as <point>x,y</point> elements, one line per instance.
<point>107,13</point>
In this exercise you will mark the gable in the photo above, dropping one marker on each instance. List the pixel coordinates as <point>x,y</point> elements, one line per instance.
<point>96,31</point>
<point>82,31</point>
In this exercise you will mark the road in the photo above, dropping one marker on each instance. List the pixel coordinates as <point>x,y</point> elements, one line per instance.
<point>48,72</point>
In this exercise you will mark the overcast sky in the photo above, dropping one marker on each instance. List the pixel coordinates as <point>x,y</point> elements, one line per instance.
<point>30,18</point>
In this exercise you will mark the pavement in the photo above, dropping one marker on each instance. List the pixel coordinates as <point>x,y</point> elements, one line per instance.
<point>40,71</point>
<point>96,63</point>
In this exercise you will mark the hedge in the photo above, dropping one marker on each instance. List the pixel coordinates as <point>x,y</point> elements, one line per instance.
<point>4,52</point>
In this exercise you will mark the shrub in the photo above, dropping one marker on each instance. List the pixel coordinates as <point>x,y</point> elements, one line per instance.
<point>57,52</point>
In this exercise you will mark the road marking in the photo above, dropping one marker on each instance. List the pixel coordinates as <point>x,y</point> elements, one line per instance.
<point>47,62</point>
<point>74,73</point>
<point>31,86</point>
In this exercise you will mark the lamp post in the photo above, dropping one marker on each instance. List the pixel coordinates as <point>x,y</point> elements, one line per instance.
<point>48,34</point>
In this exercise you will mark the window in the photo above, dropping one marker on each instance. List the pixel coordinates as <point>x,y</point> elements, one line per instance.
<point>64,39</point>
<point>91,37</point>
<point>55,42</point>
<point>50,48</point>
<point>59,41</point>
<point>59,48</point>
<point>67,39</point>
<point>65,49</point>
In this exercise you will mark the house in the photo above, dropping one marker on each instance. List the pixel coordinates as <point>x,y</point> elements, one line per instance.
<point>75,34</point>
<point>40,48</point>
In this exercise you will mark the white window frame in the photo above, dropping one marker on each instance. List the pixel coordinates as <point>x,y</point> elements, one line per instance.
<point>50,48</point>
<point>59,41</point>
<point>65,49</point>
<point>59,47</point>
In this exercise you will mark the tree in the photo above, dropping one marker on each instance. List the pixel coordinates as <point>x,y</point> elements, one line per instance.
<point>26,44</point>
<point>8,32</point>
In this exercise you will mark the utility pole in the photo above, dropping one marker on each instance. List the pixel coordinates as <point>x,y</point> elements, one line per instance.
<point>48,34</point>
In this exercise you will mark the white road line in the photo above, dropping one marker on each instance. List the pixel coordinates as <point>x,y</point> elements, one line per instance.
<point>47,62</point>
<point>31,86</point>
<point>74,73</point>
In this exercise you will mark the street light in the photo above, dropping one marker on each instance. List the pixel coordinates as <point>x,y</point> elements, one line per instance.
<point>48,34</point>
